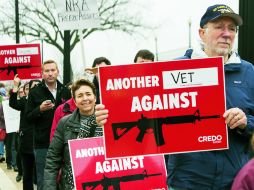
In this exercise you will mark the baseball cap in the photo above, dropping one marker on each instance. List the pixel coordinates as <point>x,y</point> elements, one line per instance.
<point>217,11</point>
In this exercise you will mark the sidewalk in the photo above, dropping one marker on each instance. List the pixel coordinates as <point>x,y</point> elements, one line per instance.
<point>8,179</point>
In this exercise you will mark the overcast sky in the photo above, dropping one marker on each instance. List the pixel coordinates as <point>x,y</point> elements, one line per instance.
<point>172,17</point>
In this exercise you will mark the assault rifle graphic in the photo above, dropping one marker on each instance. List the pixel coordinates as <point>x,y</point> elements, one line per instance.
<point>106,182</point>
<point>13,69</point>
<point>155,124</point>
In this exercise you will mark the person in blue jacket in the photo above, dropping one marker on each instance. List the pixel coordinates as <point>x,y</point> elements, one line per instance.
<point>216,170</point>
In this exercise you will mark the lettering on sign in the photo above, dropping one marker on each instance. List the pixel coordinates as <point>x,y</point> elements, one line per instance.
<point>120,164</point>
<point>211,138</point>
<point>76,5</point>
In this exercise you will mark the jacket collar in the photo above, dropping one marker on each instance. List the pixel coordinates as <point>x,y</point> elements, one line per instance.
<point>75,118</point>
<point>74,121</point>
<point>69,106</point>
<point>232,64</point>
<point>58,84</point>
<point>234,57</point>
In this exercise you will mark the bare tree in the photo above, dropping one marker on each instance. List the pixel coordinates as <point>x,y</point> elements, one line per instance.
<point>37,20</point>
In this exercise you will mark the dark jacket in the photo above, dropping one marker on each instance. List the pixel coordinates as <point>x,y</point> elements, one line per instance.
<point>25,128</point>
<point>58,152</point>
<point>43,120</point>
<point>216,170</point>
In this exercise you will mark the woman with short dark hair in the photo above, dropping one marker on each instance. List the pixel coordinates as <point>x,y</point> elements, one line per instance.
<point>80,124</point>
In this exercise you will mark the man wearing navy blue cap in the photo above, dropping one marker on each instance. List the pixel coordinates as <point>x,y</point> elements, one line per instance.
<point>217,11</point>
<point>216,170</point>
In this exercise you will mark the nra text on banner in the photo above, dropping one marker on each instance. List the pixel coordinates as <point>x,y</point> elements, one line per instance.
<point>77,14</point>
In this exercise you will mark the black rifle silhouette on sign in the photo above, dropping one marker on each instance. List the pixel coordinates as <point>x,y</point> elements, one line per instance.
<point>155,124</point>
<point>106,182</point>
<point>13,69</point>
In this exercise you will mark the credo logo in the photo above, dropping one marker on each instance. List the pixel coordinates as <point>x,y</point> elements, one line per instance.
<point>211,138</point>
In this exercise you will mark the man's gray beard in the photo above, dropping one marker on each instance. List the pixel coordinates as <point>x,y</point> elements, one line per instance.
<point>222,51</point>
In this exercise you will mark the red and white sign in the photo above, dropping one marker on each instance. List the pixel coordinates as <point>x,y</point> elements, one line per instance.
<point>92,171</point>
<point>21,59</point>
<point>164,107</point>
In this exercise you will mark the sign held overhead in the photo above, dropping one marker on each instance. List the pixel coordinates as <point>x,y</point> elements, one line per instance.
<point>77,14</point>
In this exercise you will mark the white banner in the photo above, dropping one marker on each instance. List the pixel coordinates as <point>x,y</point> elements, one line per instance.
<point>190,78</point>
<point>11,117</point>
<point>77,14</point>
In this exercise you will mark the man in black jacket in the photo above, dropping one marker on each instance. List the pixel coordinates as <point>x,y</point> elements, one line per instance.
<point>41,105</point>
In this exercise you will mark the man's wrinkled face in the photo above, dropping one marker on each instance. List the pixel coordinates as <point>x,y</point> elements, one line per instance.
<point>50,73</point>
<point>218,36</point>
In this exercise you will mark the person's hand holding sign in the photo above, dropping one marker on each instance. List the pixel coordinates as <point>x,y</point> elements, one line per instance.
<point>93,70</point>
<point>235,117</point>
<point>101,114</point>
<point>16,83</point>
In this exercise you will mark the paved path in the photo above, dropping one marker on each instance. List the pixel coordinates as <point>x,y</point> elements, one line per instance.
<point>8,179</point>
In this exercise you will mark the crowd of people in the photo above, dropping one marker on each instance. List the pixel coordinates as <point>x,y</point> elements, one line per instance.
<point>52,113</point>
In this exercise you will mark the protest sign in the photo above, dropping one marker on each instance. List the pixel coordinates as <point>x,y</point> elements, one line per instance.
<point>21,59</point>
<point>164,107</point>
<point>92,171</point>
<point>77,14</point>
